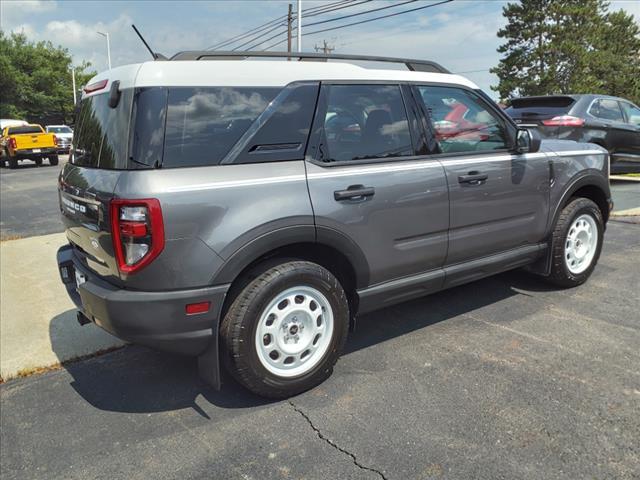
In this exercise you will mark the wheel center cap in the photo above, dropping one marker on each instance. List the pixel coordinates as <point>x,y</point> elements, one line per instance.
<point>293,329</point>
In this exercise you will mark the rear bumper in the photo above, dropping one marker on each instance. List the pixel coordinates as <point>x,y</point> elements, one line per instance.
<point>154,319</point>
<point>31,155</point>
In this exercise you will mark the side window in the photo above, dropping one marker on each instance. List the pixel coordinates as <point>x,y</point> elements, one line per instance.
<point>462,121</point>
<point>365,122</point>
<point>284,133</point>
<point>606,109</point>
<point>204,123</point>
<point>632,113</point>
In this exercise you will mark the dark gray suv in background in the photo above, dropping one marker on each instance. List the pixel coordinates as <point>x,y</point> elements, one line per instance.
<point>246,211</point>
<point>611,122</point>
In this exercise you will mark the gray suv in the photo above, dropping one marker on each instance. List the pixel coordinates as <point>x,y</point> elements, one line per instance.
<point>246,211</point>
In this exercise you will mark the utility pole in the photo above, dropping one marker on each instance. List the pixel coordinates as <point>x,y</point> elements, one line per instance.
<point>299,26</point>
<point>325,48</point>
<point>73,81</point>
<point>106,35</point>
<point>289,20</point>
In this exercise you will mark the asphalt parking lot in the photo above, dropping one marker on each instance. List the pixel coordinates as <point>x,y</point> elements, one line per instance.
<point>29,200</point>
<point>502,378</point>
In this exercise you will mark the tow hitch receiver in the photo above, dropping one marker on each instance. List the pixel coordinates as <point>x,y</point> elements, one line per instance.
<point>82,318</point>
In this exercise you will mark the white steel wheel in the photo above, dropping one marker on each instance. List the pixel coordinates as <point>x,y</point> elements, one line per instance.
<point>294,331</point>
<point>581,244</point>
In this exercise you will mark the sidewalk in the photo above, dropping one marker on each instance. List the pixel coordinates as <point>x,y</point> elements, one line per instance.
<point>38,326</point>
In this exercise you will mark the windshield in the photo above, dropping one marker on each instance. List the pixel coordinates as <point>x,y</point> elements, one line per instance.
<point>26,129</point>
<point>102,132</point>
<point>59,130</point>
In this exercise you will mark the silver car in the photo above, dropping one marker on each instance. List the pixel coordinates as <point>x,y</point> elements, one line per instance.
<point>246,212</point>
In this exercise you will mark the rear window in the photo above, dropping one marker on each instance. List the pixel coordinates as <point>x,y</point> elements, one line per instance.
<point>102,132</point>
<point>540,106</point>
<point>25,129</point>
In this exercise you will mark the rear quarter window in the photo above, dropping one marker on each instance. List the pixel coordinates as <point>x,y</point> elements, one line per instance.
<point>203,124</point>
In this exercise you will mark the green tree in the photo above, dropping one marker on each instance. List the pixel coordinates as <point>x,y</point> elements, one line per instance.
<point>568,46</point>
<point>35,79</point>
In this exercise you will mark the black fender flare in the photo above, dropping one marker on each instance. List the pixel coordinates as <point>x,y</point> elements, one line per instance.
<point>285,236</point>
<point>576,183</point>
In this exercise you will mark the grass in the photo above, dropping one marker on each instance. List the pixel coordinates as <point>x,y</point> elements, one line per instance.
<point>27,372</point>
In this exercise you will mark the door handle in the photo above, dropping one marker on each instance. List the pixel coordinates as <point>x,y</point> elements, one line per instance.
<point>473,178</point>
<point>354,192</point>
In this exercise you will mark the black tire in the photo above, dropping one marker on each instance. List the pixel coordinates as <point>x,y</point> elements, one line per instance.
<point>13,163</point>
<point>560,274</point>
<point>240,323</point>
<point>53,160</point>
<point>38,162</point>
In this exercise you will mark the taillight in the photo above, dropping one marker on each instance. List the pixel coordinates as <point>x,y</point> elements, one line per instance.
<point>94,87</point>
<point>564,121</point>
<point>138,232</point>
<point>55,140</point>
<point>12,143</point>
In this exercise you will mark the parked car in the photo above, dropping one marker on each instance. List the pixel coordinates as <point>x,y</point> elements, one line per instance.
<point>611,122</point>
<point>246,211</point>
<point>28,142</point>
<point>64,136</point>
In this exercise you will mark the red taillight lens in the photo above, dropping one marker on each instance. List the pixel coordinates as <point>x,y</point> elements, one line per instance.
<point>55,140</point>
<point>138,232</point>
<point>564,121</point>
<point>94,87</point>
<point>12,143</point>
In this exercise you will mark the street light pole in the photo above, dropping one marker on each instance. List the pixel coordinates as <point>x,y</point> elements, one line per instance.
<point>106,35</point>
<point>73,81</point>
<point>299,25</point>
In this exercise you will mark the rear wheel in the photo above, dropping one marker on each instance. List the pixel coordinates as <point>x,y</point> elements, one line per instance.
<point>13,162</point>
<point>284,331</point>
<point>38,161</point>
<point>53,160</point>
<point>577,242</point>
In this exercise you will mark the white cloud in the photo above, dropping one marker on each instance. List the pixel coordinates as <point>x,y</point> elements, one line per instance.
<point>14,12</point>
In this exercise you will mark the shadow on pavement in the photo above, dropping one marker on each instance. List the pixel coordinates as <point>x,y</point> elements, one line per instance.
<point>139,380</point>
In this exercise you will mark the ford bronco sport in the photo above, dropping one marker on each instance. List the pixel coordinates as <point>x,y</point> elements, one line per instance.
<point>245,211</point>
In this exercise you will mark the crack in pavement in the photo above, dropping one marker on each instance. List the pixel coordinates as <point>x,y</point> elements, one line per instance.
<point>334,445</point>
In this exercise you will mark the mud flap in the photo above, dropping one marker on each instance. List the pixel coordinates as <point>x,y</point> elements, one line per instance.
<point>209,363</point>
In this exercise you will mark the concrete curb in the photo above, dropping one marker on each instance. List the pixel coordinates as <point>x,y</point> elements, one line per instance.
<point>624,178</point>
<point>38,327</point>
<point>630,212</point>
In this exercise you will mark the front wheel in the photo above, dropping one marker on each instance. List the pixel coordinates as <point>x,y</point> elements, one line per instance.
<point>577,242</point>
<point>285,330</point>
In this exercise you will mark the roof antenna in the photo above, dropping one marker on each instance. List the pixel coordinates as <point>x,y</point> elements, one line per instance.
<point>156,56</point>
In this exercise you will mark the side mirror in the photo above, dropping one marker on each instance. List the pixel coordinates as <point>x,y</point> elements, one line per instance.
<point>527,141</point>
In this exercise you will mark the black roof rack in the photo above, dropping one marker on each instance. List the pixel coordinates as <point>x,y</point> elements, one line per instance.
<point>411,64</point>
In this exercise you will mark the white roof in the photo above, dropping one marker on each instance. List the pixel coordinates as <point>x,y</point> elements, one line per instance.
<point>247,73</point>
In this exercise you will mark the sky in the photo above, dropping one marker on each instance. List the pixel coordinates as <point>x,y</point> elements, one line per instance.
<point>460,35</point>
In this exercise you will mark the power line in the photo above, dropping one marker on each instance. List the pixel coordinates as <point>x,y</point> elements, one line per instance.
<point>368,20</point>
<point>308,12</point>
<point>313,14</point>
<point>360,13</point>
<point>381,17</point>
